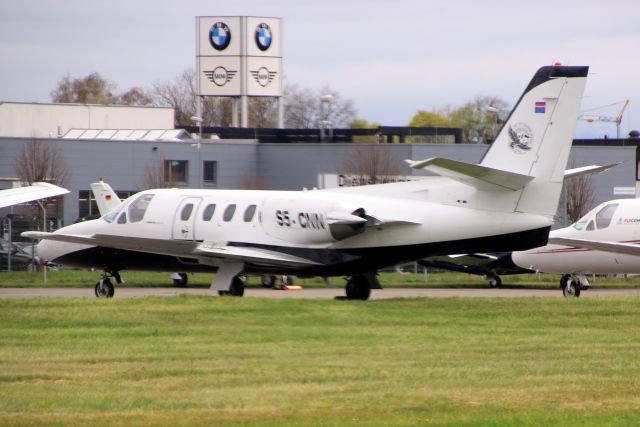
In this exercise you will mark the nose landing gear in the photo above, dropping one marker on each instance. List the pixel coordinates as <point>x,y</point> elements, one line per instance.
<point>104,288</point>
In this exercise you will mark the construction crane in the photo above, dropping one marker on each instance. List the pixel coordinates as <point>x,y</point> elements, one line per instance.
<point>617,119</point>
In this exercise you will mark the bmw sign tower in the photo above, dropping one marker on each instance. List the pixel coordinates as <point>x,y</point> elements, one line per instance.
<point>239,57</point>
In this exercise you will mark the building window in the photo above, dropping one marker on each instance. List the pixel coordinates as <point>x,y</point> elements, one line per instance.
<point>175,171</point>
<point>210,172</point>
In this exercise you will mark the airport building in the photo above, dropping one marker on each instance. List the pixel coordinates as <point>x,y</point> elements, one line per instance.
<point>135,148</point>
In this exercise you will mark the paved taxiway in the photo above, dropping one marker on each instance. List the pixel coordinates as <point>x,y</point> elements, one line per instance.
<point>315,293</point>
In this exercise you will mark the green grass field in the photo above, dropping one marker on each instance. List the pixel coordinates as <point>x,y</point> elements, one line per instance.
<point>231,361</point>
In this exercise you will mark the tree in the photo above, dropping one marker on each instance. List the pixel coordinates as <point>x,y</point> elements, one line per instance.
<point>428,119</point>
<point>370,164</point>
<point>304,109</point>
<point>134,96</point>
<point>40,162</point>
<point>579,196</point>
<point>479,118</point>
<point>92,89</point>
<point>359,123</point>
<point>95,89</point>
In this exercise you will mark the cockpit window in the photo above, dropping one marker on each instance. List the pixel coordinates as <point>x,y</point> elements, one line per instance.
<point>580,224</point>
<point>138,207</point>
<point>605,215</point>
<point>590,227</point>
<point>122,219</point>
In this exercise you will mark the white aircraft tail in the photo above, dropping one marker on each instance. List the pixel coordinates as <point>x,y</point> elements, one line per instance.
<point>536,139</point>
<point>106,199</point>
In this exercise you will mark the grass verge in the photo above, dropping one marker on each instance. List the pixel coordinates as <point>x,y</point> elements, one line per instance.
<point>226,361</point>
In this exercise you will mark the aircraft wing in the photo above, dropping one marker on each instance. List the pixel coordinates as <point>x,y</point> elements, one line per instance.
<point>614,247</point>
<point>205,252</point>
<point>478,176</point>
<point>39,190</point>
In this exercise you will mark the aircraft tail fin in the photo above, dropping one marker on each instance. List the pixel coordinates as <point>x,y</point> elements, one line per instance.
<point>536,139</point>
<point>106,199</point>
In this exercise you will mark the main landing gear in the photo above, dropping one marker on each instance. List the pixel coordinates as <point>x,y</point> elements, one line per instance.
<point>572,285</point>
<point>236,288</point>
<point>359,285</point>
<point>104,288</point>
<point>494,281</point>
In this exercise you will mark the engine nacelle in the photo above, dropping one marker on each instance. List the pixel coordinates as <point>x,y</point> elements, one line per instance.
<point>310,221</point>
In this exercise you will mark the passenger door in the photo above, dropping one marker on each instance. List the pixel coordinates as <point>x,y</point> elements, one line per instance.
<point>184,220</point>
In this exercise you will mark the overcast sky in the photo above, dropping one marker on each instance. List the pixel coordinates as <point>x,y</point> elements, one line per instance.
<point>391,57</point>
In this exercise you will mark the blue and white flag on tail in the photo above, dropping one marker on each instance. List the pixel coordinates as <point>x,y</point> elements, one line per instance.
<point>541,107</point>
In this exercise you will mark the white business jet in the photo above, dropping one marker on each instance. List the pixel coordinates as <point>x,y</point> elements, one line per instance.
<point>504,203</point>
<point>604,241</point>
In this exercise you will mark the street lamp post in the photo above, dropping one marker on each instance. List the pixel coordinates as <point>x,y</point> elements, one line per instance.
<point>325,123</point>
<point>198,120</point>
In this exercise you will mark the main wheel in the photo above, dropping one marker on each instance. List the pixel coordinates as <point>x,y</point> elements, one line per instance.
<point>236,289</point>
<point>495,282</point>
<point>571,290</point>
<point>268,281</point>
<point>182,281</point>
<point>104,288</point>
<point>563,280</point>
<point>358,288</point>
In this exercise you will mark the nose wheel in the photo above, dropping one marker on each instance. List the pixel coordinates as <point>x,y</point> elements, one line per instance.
<point>104,288</point>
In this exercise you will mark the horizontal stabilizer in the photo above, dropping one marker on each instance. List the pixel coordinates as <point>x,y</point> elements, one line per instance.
<point>588,170</point>
<point>614,247</point>
<point>481,177</point>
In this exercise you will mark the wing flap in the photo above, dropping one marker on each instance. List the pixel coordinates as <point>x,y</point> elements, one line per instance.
<point>481,177</point>
<point>253,255</point>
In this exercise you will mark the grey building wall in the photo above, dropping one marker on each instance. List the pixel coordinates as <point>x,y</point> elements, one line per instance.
<point>246,164</point>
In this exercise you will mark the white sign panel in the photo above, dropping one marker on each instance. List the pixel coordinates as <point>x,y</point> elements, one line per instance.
<point>264,76</point>
<point>219,36</point>
<point>219,76</point>
<point>264,36</point>
<point>239,56</point>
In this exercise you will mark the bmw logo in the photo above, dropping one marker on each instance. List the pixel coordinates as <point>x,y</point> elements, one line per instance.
<point>263,36</point>
<point>220,36</point>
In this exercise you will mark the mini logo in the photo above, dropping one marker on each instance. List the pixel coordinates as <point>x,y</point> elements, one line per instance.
<point>219,36</point>
<point>220,76</point>
<point>263,36</point>
<point>263,76</point>
<point>521,138</point>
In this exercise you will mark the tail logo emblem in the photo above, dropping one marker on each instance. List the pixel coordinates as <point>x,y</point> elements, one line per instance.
<point>521,138</point>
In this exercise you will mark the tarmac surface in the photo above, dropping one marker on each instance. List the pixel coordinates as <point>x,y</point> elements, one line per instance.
<point>315,293</point>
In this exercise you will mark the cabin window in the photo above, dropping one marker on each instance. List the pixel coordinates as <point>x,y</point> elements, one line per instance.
<point>590,227</point>
<point>605,215</point>
<point>249,213</point>
<point>175,172</point>
<point>138,207</point>
<point>122,219</point>
<point>207,214</point>
<point>210,172</point>
<point>228,213</point>
<point>185,214</point>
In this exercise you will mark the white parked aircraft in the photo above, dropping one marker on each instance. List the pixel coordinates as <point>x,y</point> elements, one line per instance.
<point>506,202</point>
<point>36,191</point>
<point>604,241</point>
